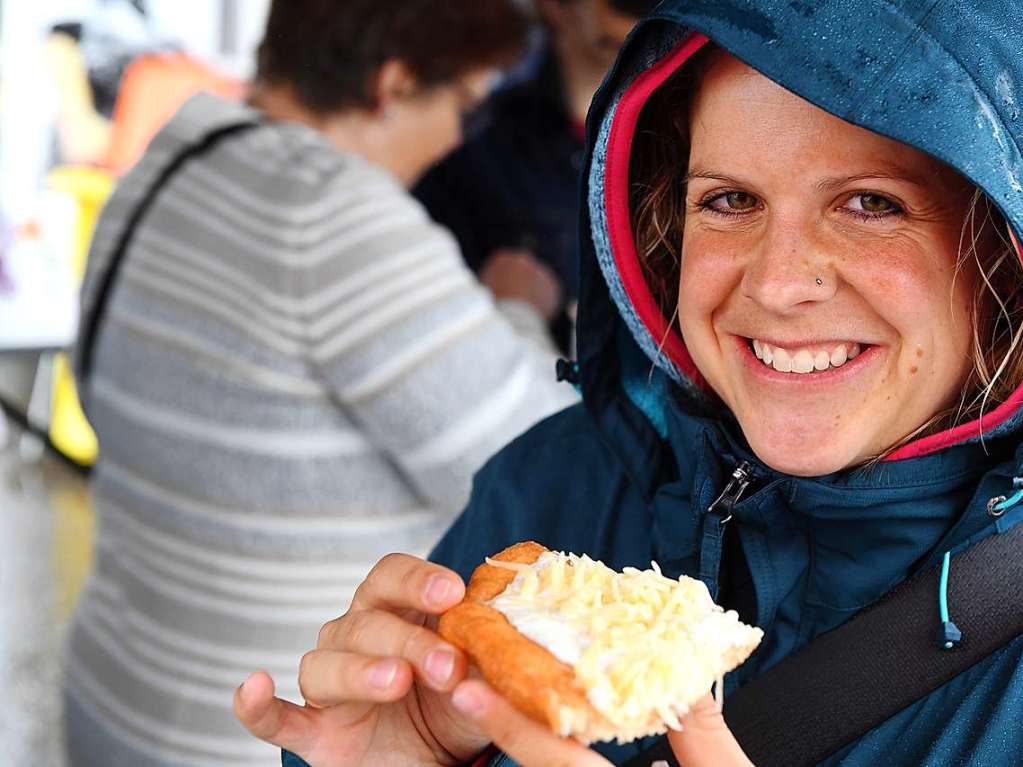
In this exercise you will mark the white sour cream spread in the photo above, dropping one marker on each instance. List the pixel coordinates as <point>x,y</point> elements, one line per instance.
<point>643,646</point>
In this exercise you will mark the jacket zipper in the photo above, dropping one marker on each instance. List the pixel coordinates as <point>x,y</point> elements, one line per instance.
<point>730,496</point>
<point>718,515</point>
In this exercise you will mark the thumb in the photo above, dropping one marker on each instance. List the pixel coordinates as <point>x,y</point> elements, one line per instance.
<point>529,743</point>
<point>705,740</point>
<point>276,721</point>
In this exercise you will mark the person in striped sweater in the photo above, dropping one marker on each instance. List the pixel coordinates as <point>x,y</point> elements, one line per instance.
<point>289,367</point>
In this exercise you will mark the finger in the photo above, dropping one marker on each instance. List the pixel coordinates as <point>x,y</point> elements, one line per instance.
<point>705,740</point>
<point>382,635</point>
<point>529,743</point>
<point>509,253</point>
<point>400,581</point>
<point>271,719</point>
<point>329,678</point>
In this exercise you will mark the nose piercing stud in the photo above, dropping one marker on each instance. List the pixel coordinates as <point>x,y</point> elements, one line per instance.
<point>820,281</point>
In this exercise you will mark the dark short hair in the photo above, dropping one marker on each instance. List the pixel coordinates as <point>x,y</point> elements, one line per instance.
<point>328,51</point>
<point>635,8</point>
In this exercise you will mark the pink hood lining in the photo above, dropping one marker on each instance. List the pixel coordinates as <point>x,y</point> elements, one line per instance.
<point>623,247</point>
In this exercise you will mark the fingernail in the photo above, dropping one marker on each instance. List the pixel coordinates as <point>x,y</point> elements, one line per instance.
<point>437,590</point>
<point>468,701</point>
<point>439,665</point>
<point>382,673</point>
<point>243,691</point>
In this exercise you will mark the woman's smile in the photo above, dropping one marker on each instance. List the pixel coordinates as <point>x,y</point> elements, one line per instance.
<point>806,365</point>
<point>805,357</point>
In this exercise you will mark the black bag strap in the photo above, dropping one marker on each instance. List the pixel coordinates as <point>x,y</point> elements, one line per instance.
<point>93,320</point>
<point>848,681</point>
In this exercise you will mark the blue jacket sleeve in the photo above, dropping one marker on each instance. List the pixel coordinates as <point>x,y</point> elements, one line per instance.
<point>557,485</point>
<point>480,531</point>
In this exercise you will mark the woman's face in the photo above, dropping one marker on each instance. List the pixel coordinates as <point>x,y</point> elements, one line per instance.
<point>819,294</point>
<point>427,124</point>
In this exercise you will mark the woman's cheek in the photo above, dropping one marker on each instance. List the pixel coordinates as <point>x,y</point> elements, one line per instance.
<point>891,266</point>
<point>708,274</point>
<point>708,277</point>
<point>915,286</point>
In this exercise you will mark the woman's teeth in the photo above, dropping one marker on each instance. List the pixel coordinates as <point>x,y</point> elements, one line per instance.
<point>804,360</point>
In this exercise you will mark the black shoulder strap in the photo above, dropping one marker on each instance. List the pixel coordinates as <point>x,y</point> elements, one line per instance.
<point>92,321</point>
<point>850,680</point>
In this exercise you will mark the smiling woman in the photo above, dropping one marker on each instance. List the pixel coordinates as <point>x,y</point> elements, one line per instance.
<point>800,366</point>
<point>831,284</point>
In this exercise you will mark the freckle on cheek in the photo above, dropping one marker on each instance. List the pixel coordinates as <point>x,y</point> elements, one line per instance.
<point>913,370</point>
<point>919,351</point>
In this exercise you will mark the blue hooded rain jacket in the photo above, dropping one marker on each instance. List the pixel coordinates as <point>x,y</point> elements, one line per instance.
<point>628,475</point>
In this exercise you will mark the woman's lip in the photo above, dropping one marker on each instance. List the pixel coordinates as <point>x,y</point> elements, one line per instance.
<point>817,343</point>
<point>832,375</point>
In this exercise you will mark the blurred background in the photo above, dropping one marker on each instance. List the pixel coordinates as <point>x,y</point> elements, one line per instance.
<point>84,84</point>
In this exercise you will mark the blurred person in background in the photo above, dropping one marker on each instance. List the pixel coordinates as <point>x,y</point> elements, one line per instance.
<point>87,59</point>
<point>516,183</point>
<point>289,367</point>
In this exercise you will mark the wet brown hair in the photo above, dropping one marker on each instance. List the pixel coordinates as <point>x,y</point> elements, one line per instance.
<point>328,51</point>
<point>657,170</point>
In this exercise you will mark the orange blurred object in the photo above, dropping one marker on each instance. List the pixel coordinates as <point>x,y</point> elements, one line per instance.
<point>30,230</point>
<point>153,88</point>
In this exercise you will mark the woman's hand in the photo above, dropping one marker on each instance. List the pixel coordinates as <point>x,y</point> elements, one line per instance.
<point>519,275</point>
<point>529,743</point>
<point>377,687</point>
<point>704,741</point>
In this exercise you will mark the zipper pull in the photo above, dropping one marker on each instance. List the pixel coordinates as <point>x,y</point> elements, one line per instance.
<point>719,513</point>
<point>724,503</point>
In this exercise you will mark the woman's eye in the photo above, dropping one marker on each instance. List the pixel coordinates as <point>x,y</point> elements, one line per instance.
<point>731,202</point>
<point>873,205</point>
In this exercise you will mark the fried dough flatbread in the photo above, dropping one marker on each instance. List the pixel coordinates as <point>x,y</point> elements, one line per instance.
<point>529,676</point>
<point>550,690</point>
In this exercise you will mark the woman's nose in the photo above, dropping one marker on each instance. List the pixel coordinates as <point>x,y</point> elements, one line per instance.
<point>787,268</point>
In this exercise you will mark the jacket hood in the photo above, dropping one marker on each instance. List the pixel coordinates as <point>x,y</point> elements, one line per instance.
<point>943,76</point>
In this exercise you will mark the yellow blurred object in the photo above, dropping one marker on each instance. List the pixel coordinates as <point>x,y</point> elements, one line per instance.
<point>90,187</point>
<point>70,432</point>
<point>83,134</point>
<point>74,529</point>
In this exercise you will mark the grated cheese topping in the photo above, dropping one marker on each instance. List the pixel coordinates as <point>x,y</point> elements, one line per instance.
<point>644,647</point>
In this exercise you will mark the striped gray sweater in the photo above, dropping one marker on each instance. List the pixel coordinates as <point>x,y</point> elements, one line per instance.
<point>295,374</point>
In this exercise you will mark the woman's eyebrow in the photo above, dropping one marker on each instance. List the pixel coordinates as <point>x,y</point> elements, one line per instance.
<point>893,174</point>
<point>711,175</point>
<point>831,182</point>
